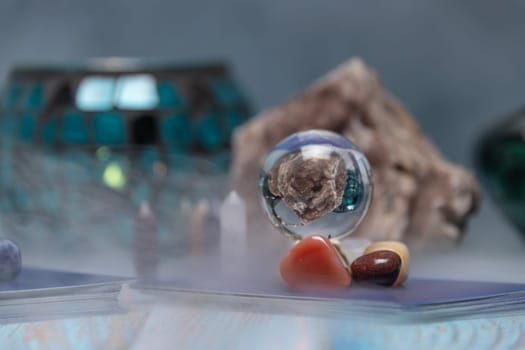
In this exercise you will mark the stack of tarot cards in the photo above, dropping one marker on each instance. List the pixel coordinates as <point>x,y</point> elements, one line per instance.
<point>41,293</point>
<point>417,300</point>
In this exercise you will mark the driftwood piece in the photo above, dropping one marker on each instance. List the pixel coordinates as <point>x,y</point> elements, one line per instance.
<point>417,193</point>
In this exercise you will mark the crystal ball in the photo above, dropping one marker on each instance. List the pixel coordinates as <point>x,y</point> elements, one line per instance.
<point>316,182</point>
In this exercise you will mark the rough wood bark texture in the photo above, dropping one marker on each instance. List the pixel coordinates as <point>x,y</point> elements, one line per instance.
<point>417,194</point>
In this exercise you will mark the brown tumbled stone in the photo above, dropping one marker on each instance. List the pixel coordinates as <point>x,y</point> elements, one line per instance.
<point>381,267</point>
<point>397,248</point>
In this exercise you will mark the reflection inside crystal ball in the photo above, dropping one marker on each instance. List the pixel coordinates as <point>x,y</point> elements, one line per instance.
<point>316,182</point>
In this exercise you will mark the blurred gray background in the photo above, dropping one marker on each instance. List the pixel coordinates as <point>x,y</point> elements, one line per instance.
<point>456,65</point>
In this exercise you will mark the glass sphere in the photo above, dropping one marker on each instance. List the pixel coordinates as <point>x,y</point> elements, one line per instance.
<point>316,182</point>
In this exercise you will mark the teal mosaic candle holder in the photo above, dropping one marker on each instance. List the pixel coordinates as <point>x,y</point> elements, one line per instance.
<point>82,148</point>
<point>123,115</point>
<point>187,110</point>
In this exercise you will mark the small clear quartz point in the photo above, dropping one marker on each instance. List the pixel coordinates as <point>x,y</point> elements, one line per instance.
<point>233,232</point>
<point>145,242</point>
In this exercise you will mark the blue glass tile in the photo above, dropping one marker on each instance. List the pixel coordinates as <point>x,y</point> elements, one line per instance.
<point>176,132</point>
<point>13,93</point>
<point>96,93</point>
<point>74,128</point>
<point>49,131</point>
<point>209,133</point>
<point>169,95</point>
<point>226,92</point>
<point>35,97</point>
<point>136,92</point>
<point>27,126</point>
<point>110,128</point>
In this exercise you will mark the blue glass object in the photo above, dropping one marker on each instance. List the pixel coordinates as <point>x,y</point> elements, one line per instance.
<point>27,126</point>
<point>84,166</point>
<point>308,200</point>
<point>12,96</point>
<point>110,128</point>
<point>185,110</point>
<point>157,92</point>
<point>353,193</point>
<point>35,97</point>
<point>96,93</point>
<point>169,96</point>
<point>175,132</point>
<point>136,92</point>
<point>209,132</point>
<point>74,128</point>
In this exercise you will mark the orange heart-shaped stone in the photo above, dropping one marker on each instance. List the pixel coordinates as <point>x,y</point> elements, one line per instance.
<point>314,262</point>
